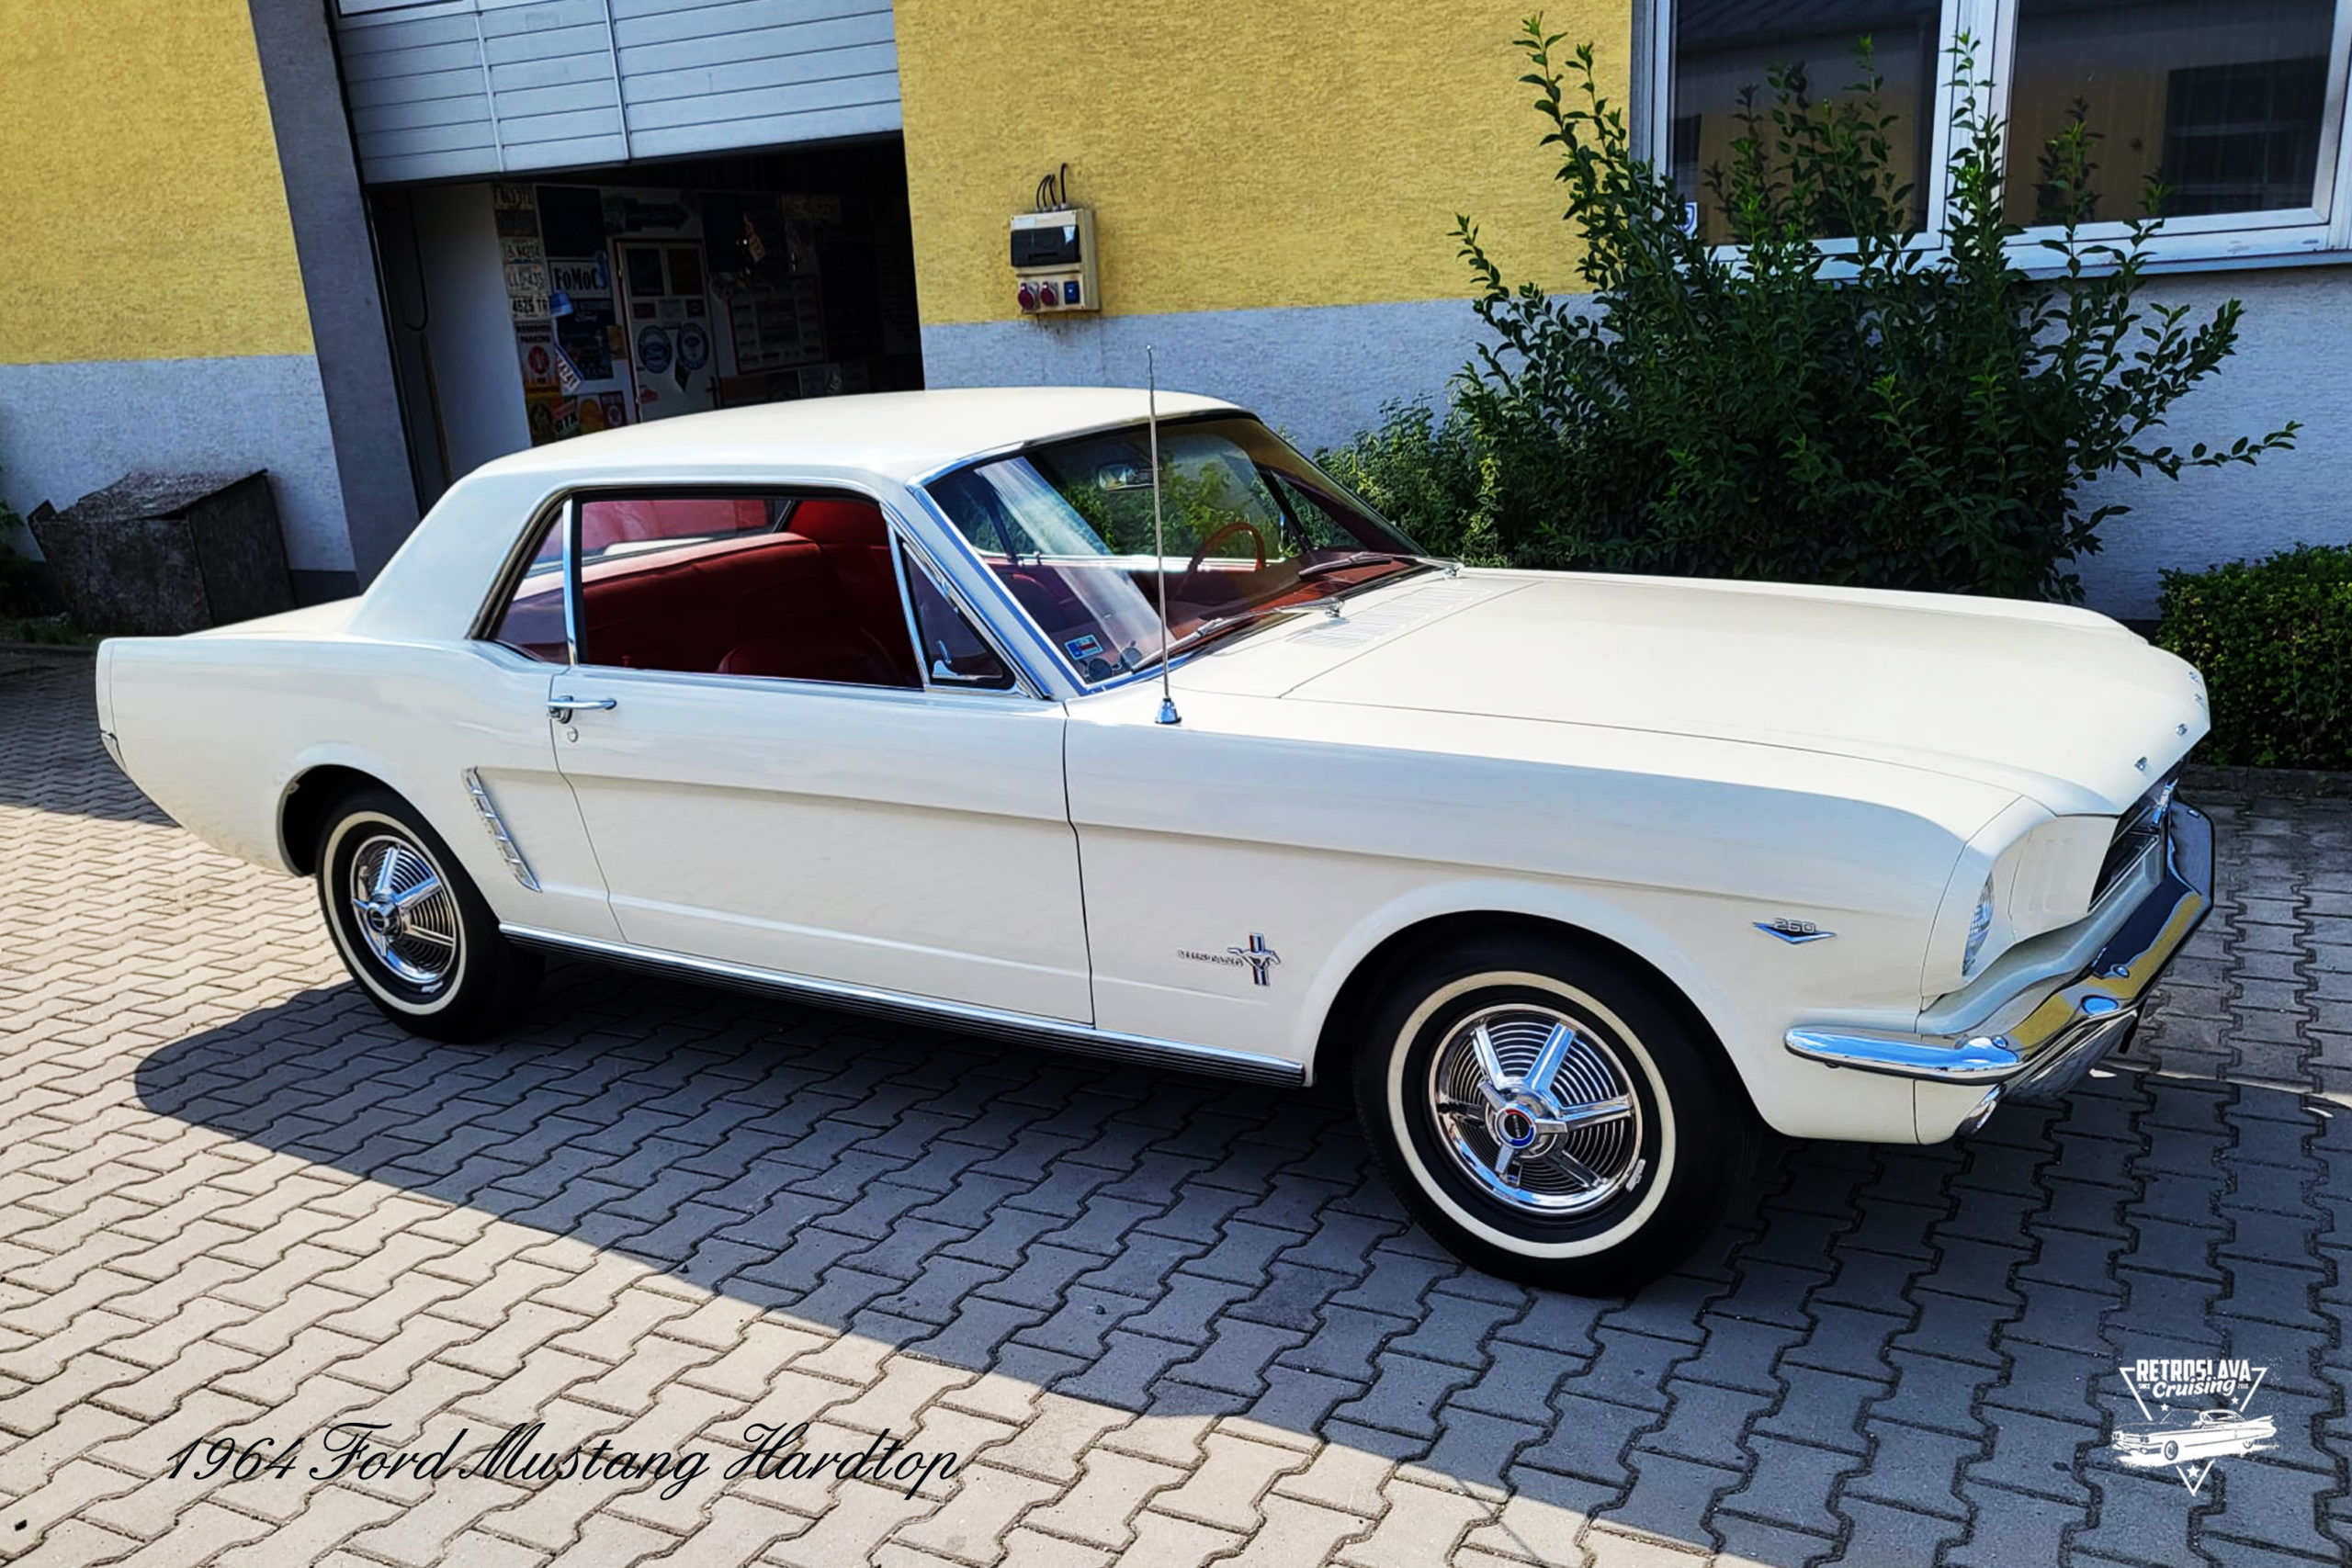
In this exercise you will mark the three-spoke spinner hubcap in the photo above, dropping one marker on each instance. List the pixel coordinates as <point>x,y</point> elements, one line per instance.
<point>1537,1108</point>
<point>406,914</point>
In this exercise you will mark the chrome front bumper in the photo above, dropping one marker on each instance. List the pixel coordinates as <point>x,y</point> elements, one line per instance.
<point>2077,1022</point>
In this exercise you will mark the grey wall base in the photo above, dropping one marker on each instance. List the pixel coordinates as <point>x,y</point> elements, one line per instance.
<point>67,430</point>
<point>1321,374</point>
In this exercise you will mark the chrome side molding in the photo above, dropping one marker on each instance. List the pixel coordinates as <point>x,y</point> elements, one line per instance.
<point>994,1022</point>
<point>495,825</point>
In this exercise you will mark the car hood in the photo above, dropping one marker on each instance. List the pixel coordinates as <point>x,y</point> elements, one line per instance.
<point>2059,705</point>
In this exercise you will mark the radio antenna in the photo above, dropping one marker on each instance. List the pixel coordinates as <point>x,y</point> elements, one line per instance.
<point>1168,713</point>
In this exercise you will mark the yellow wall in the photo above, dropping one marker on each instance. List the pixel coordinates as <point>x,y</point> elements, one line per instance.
<point>142,214</point>
<point>1305,153</point>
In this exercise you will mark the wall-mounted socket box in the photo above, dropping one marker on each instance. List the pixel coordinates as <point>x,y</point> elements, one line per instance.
<point>1053,262</point>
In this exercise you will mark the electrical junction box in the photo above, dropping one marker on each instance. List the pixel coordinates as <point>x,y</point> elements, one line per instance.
<point>1053,262</point>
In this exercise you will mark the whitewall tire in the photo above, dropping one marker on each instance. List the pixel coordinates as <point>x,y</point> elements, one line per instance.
<point>412,927</point>
<point>1550,1114</point>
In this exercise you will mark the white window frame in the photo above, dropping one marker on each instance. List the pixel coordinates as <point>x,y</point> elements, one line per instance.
<point>2321,231</point>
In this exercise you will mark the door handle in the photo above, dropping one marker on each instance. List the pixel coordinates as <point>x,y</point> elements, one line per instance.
<point>559,708</point>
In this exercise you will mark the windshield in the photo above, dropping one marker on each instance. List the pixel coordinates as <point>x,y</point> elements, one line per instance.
<point>1252,527</point>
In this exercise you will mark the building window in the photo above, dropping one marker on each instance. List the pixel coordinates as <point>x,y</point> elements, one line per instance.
<point>2235,107</point>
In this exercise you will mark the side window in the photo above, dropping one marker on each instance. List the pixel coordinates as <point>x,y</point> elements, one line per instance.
<point>787,587</point>
<point>609,525</point>
<point>953,652</point>
<point>532,622</point>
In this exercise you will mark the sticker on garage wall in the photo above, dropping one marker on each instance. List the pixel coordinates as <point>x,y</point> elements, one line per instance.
<point>580,276</point>
<point>567,373</point>
<point>538,355</point>
<point>694,347</point>
<point>653,350</point>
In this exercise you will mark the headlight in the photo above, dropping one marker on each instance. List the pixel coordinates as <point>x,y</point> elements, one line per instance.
<point>1980,926</point>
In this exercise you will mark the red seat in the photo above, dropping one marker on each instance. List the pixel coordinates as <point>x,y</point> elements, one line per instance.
<point>762,604</point>
<point>856,542</point>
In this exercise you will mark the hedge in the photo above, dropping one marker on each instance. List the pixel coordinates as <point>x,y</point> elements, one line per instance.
<point>2274,639</point>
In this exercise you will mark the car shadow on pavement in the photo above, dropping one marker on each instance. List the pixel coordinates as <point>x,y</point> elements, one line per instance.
<point>1879,1346</point>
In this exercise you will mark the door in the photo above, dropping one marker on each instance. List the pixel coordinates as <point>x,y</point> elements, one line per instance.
<point>769,778</point>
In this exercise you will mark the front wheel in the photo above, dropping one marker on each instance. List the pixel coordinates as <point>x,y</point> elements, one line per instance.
<point>1549,1114</point>
<point>412,927</point>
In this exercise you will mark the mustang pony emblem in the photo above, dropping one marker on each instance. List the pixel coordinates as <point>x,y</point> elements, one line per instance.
<point>1257,955</point>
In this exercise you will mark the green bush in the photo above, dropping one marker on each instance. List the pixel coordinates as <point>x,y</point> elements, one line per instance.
<point>2274,639</point>
<point>1838,400</point>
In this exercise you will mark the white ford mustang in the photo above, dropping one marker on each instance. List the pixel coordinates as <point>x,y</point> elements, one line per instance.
<point>1576,878</point>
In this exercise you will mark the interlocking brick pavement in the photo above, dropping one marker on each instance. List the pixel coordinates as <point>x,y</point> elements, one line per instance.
<point>1162,1320</point>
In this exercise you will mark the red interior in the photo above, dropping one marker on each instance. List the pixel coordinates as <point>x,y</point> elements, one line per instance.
<point>788,605</point>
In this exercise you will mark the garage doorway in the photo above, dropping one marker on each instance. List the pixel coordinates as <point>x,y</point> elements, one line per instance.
<point>531,309</point>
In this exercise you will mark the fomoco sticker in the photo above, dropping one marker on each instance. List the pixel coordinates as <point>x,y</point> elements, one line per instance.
<point>2195,1414</point>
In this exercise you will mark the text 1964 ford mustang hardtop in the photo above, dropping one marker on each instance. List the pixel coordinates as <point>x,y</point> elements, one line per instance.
<point>1577,877</point>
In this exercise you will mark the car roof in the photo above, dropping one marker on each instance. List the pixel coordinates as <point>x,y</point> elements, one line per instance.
<point>901,435</point>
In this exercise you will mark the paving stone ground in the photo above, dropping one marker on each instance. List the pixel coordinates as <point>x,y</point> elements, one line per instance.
<point>1162,1320</point>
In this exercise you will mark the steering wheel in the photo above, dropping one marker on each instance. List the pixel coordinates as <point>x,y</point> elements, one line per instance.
<point>1191,567</point>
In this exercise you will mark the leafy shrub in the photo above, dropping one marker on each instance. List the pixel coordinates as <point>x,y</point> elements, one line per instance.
<point>1869,407</point>
<point>2274,639</point>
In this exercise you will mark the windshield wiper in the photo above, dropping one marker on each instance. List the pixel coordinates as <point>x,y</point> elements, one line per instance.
<point>1216,627</point>
<point>1362,558</point>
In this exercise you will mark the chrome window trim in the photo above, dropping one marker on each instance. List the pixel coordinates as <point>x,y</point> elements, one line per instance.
<point>572,616</point>
<point>922,695</point>
<point>994,1022</point>
<point>1022,683</point>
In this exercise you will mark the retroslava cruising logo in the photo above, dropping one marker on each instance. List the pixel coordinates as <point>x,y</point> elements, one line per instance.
<point>2187,1441</point>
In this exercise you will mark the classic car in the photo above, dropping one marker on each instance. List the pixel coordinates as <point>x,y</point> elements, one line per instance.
<point>1037,713</point>
<point>2212,1433</point>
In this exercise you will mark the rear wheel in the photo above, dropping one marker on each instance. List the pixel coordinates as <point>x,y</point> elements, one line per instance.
<point>1550,1115</point>
<point>412,927</point>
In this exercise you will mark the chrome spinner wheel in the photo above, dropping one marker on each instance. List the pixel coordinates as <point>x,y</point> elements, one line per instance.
<point>405,910</point>
<point>1538,1111</point>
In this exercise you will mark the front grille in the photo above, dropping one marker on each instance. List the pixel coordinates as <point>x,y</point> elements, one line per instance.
<point>2135,830</point>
